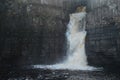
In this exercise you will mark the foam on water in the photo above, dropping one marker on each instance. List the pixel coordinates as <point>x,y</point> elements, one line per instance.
<point>76,56</point>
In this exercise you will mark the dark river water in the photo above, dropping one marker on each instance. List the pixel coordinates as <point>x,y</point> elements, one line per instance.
<point>46,74</point>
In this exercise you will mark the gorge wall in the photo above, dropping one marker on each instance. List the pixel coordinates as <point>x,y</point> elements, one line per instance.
<point>33,31</point>
<point>103,42</point>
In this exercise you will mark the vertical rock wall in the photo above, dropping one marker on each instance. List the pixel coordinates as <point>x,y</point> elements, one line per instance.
<point>31,33</point>
<point>103,26</point>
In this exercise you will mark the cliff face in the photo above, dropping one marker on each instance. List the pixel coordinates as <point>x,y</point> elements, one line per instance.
<point>103,41</point>
<point>33,31</point>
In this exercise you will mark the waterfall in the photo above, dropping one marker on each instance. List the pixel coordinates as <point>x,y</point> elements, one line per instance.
<point>76,41</point>
<point>76,57</point>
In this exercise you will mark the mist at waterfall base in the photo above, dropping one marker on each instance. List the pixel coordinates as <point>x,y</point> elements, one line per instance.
<point>76,57</point>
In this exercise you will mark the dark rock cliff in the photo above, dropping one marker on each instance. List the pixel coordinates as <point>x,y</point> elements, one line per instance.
<point>103,40</point>
<point>31,33</point>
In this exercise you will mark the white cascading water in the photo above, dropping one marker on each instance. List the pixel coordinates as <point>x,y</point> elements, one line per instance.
<point>76,34</point>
